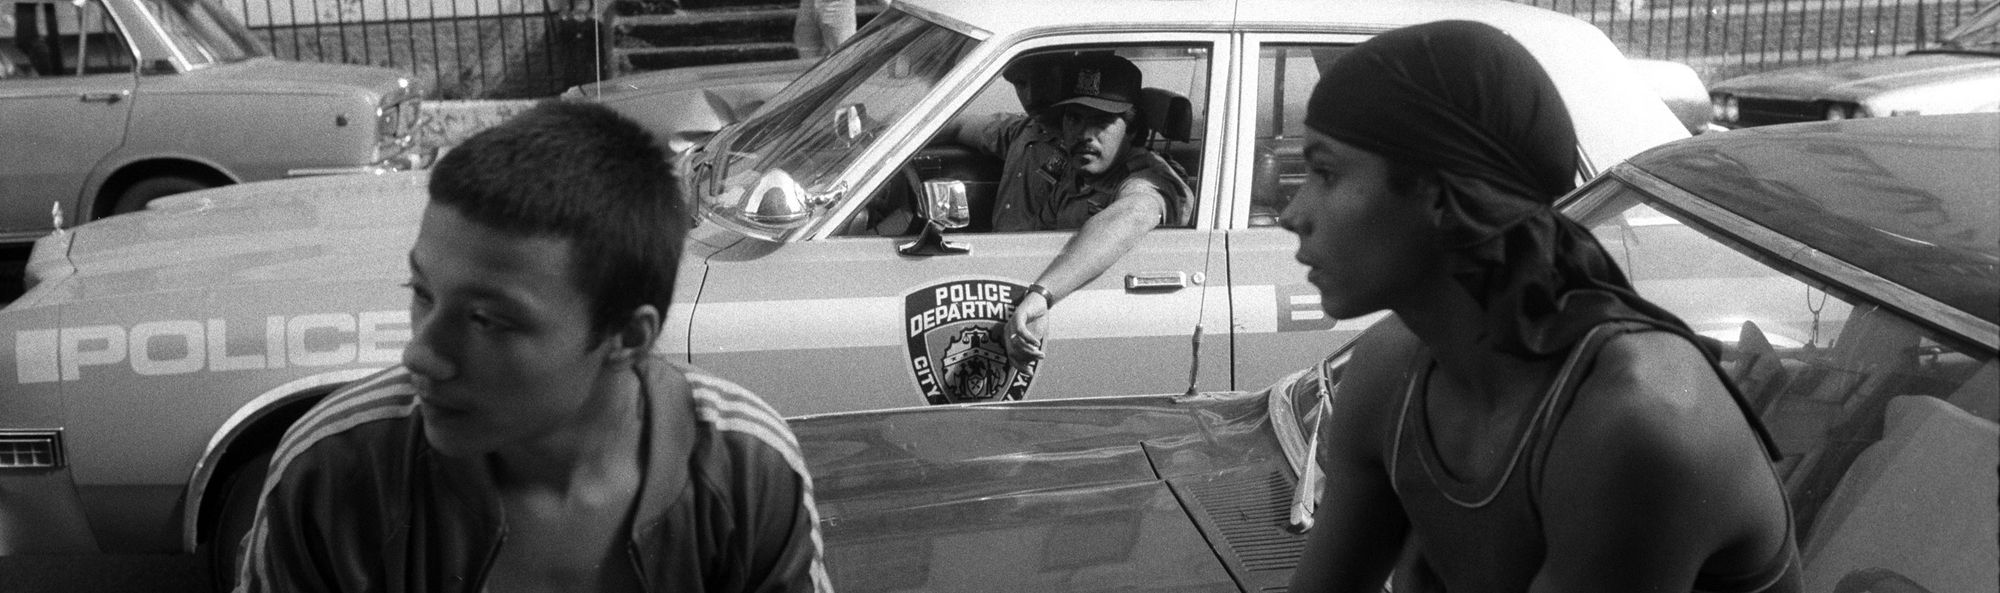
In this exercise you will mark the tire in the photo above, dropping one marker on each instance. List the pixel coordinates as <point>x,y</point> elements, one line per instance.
<point>136,196</point>
<point>238,508</point>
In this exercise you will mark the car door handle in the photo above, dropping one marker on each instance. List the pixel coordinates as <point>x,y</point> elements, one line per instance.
<point>1156,281</point>
<point>107,98</point>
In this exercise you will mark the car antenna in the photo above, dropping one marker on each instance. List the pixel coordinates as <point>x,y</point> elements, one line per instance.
<point>1194,358</point>
<point>1200,319</point>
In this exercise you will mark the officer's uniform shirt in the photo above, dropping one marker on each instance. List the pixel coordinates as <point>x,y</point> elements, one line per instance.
<point>1040,191</point>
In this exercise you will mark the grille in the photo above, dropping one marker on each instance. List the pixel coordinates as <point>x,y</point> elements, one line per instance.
<point>1251,515</point>
<point>23,450</point>
<point>1764,112</point>
<point>399,119</point>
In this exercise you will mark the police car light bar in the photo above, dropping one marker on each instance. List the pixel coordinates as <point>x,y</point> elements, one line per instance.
<point>30,449</point>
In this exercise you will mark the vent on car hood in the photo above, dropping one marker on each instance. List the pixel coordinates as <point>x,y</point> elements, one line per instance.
<point>1243,514</point>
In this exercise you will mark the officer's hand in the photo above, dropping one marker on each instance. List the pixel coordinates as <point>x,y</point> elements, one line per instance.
<point>1027,329</point>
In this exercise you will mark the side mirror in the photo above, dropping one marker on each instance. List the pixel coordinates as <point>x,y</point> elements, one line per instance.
<point>767,208</point>
<point>850,122</point>
<point>945,207</point>
<point>945,203</point>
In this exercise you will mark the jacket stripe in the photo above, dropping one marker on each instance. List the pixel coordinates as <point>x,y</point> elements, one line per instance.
<point>332,415</point>
<point>729,407</point>
<point>368,402</point>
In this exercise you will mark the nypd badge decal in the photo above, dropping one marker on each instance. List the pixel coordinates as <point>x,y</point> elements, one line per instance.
<point>954,331</point>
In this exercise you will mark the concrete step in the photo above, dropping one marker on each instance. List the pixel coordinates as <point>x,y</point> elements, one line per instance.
<point>646,59</point>
<point>710,32</point>
<point>716,26</point>
<point>706,27</point>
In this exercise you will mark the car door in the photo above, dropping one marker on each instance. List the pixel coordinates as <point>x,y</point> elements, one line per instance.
<point>1278,325</point>
<point>66,114</point>
<point>842,321</point>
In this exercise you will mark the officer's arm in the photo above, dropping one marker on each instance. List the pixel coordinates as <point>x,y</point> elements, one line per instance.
<point>1652,474</point>
<point>1105,237</point>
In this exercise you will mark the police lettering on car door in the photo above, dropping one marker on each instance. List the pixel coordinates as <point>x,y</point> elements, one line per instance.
<point>954,332</point>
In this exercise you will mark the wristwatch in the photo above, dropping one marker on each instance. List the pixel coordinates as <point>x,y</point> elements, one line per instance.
<point>1041,290</point>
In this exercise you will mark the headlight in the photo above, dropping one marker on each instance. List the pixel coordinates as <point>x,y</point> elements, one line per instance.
<point>1840,111</point>
<point>396,122</point>
<point>1723,107</point>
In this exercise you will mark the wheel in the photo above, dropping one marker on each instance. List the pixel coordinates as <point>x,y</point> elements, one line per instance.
<point>239,493</point>
<point>139,194</point>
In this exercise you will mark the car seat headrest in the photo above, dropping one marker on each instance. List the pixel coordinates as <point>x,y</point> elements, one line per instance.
<point>1167,113</point>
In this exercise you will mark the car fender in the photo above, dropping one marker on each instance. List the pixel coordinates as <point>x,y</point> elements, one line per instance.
<point>127,165</point>
<point>251,415</point>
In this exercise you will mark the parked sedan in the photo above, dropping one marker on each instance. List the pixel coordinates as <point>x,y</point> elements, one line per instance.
<point>1961,74</point>
<point>108,104</point>
<point>1849,271</point>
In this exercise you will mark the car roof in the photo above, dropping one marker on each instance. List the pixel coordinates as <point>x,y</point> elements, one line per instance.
<point>1019,16</point>
<point>1911,199</point>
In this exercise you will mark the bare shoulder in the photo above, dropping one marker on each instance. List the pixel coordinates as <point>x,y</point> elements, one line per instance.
<point>1375,374</point>
<point>1653,411</point>
<point>1652,440</point>
<point>1654,393</point>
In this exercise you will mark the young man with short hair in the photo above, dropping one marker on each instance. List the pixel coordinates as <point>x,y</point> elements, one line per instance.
<point>532,440</point>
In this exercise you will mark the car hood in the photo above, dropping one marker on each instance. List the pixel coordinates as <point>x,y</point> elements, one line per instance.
<point>286,231</point>
<point>308,230</point>
<point>685,105</point>
<point>1858,80</point>
<point>1140,493</point>
<point>280,76</point>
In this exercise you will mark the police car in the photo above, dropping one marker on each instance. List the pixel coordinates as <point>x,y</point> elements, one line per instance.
<point>1850,273</point>
<point>158,356</point>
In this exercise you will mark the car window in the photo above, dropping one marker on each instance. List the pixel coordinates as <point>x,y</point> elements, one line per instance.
<point>1286,75</point>
<point>1175,81</point>
<point>1871,409</point>
<point>205,33</point>
<point>63,39</point>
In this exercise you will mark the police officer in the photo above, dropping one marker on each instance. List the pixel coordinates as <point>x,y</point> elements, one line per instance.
<point>1107,185</point>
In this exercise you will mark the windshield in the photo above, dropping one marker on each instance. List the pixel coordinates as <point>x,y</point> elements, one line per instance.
<point>205,33</point>
<point>1979,34</point>
<point>1846,385</point>
<point>814,129</point>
